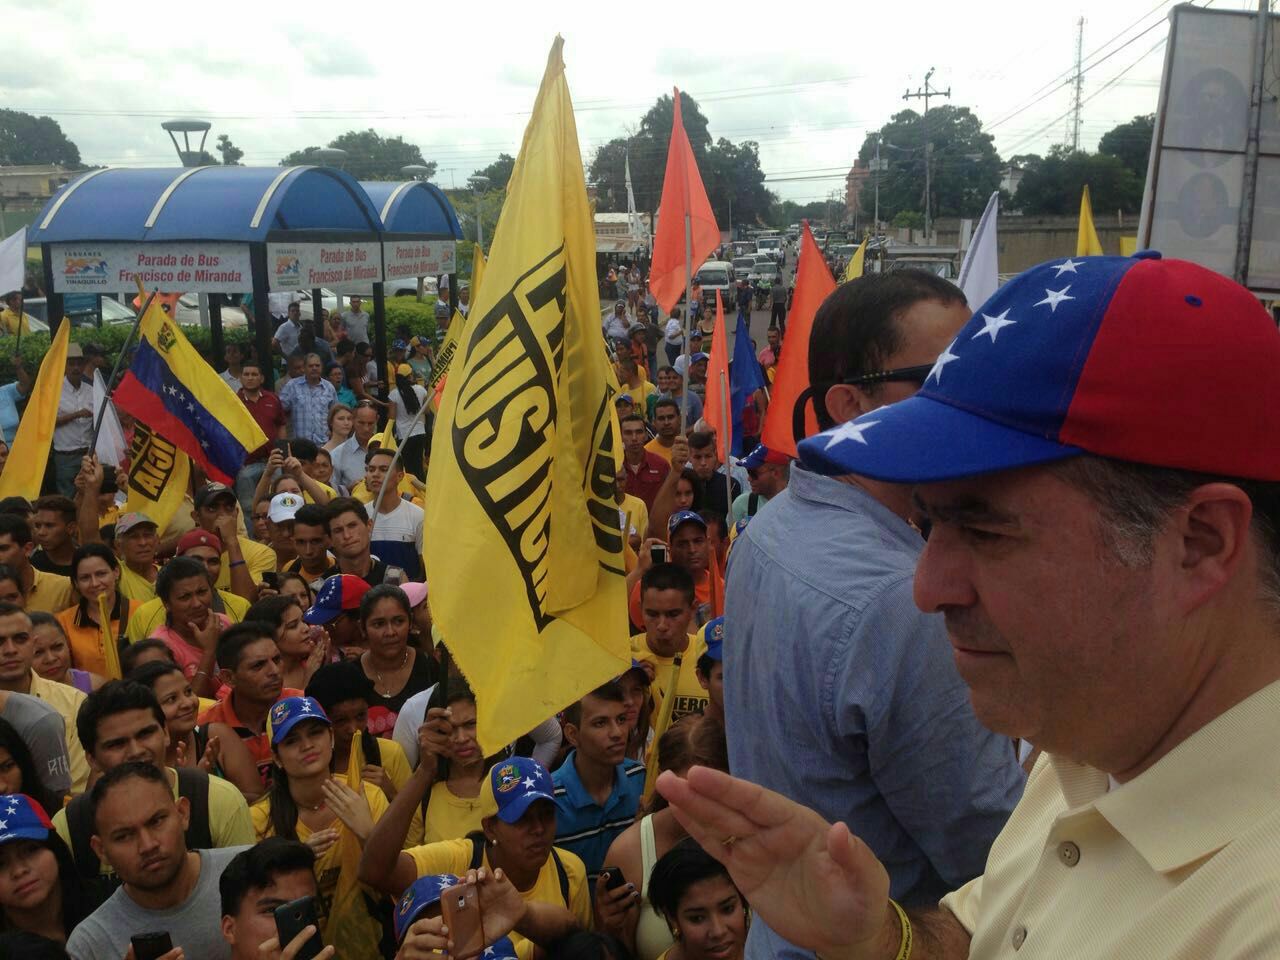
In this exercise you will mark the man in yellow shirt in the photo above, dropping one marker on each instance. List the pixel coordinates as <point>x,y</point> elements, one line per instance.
<point>44,591</point>
<point>668,607</point>
<point>17,653</point>
<point>633,383</point>
<point>137,538</point>
<point>666,421</point>
<point>12,317</point>
<point>1109,589</point>
<point>244,561</point>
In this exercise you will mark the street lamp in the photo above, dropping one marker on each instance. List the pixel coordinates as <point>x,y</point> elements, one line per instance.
<point>332,156</point>
<point>416,171</point>
<point>477,183</point>
<point>186,127</point>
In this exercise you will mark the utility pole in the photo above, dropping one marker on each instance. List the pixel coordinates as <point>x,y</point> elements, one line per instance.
<point>925,93</point>
<point>877,166</point>
<point>1077,103</point>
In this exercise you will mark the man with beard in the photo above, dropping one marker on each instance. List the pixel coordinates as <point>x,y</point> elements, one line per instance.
<point>138,829</point>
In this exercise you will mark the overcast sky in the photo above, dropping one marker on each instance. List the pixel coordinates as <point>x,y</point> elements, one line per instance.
<point>805,79</point>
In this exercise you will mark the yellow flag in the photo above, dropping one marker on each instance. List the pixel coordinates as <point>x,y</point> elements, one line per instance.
<point>444,359</point>
<point>110,650</point>
<point>29,452</point>
<point>661,725</point>
<point>351,930</point>
<point>1087,244</point>
<point>159,476</point>
<point>854,270</point>
<point>387,438</point>
<point>1128,246</point>
<point>523,550</point>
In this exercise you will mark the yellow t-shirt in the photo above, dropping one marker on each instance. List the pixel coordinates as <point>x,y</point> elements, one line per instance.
<point>639,395</point>
<point>135,586</point>
<point>229,823</point>
<point>690,697</point>
<point>361,492</point>
<point>50,592</point>
<point>396,765</point>
<point>454,856</point>
<point>450,817</point>
<point>144,620</point>
<point>655,446</point>
<point>10,321</point>
<point>637,515</point>
<point>328,864</point>
<point>307,498</point>
<point>259,558</point>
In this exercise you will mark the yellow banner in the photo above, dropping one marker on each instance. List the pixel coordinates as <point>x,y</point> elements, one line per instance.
<point>1087,243</point>
<point>159,476</point>
<point>29,453</point>
<point>523,548</point>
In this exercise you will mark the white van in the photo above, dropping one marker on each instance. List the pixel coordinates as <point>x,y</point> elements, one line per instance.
<point>712,276</point>
<point>773,247</point>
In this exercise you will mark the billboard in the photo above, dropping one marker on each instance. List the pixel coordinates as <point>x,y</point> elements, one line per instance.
<point>1197,172</point>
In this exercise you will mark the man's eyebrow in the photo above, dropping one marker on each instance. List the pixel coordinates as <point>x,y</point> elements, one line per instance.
<point>965,510</point>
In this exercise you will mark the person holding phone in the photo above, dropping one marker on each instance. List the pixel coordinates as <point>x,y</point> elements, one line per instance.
<point>258,881</point>
<point>306,803</point>
<point>420,920</point>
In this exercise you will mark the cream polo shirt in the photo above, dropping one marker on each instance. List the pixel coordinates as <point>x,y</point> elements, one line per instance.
<point>1180,863</point>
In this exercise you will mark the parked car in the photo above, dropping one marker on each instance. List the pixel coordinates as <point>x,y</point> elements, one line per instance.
<point>82,311</point>
<point>742,267</point>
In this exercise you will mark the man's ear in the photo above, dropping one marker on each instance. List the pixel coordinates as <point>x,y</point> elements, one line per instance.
<point>1215,540</point>
<point>571,733</point>
<point>847,402</point>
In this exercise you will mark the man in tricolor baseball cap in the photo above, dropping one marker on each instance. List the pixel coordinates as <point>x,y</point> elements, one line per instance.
<point>1096,453</point>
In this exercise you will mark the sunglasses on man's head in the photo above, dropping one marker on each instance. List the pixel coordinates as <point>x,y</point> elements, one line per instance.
<point>917,375</point>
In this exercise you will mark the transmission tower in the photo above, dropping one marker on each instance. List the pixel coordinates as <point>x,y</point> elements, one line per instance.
<point>1077,103</point>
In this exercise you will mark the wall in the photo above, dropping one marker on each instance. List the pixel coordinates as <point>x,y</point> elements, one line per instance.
<point>1026,241</point>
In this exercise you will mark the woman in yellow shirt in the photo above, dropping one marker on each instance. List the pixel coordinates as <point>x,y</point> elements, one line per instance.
<point>95,572</point>
<point>305,802</point>
<point>452,808</point>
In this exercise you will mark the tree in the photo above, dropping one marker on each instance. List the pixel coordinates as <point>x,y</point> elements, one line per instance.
<point>735,183</point>
<point>965,165</point>
<point>231,154</point>
<point>370,156</point>
<point>1053,185</point>
<point>1130,143</point>
<point>499,172</point>
<point>28,139</point>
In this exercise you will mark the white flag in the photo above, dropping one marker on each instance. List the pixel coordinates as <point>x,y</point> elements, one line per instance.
<point>13,261</point>
<point>978,274</point>
<point>111,446</point>
<point>634,224</point>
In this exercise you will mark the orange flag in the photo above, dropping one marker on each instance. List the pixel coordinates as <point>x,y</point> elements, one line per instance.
<point>682,196</point>
<point>714,411</point>
<point>813,285</point>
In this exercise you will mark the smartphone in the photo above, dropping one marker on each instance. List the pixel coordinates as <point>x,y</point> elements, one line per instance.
<point>151,946</point>
<point>658,553</point>
<point>460,907</point>
<point>271,578</point>
<point>294,917</point>
<point>616,878</point>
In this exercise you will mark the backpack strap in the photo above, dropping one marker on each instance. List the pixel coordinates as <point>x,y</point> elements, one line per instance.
<point>477,849</point>
<point>372,752</point>
<point>193,783</point>
<point>753,504</point>
<point>563,876</point>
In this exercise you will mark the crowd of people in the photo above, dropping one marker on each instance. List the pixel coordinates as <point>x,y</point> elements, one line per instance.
<point>990,668</point>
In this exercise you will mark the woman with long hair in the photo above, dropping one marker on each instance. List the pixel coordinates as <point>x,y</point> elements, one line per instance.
<point>95,572</point>
<point>305,802</point>
<point>213,747</point>
<point>40,890</point>
<point>688,491</point>
<point>18,773</point>
<point>408,398</point>
<point>300,654</point>
<point>690,741</point>
<point>342,420</point>
<point>707,914</point>
<point>389,671</point>
<point>452,809</point>
<point>52,654</point>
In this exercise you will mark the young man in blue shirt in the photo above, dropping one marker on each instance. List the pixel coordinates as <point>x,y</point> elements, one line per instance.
<point>597,789</point>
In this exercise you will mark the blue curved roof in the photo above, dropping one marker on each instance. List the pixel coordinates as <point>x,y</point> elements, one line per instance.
<point>413,207</point>
<point>236,204</point>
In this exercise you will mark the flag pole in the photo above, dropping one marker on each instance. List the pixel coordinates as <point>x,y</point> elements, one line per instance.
<point>688,318</point>
<point>728,448</point>
<point>110,385</point>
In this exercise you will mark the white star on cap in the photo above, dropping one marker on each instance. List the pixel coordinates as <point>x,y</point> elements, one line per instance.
<point>530,783</point>
<point>1053,298</point>
<point>1068,266</point>
<point>306,707</point>
<point>993,325</point>
<point>853,430</point>
<point>4,825</point>
<point>943,359</point>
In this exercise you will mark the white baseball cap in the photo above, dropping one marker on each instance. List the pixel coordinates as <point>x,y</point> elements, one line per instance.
<point>283,507</point>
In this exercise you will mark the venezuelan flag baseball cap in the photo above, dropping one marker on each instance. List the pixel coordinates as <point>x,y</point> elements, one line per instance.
<point>291,711</point>
<point>22,818</point>
<point>761,455</point>
<point>421,894</point>
<point>512,786</point>
<point>684,516</point>
<point>1152,361</point>
<point>714,637</point>
<point>340,593</point>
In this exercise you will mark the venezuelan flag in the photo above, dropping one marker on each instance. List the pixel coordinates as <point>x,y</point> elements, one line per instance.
<point>174,391</point>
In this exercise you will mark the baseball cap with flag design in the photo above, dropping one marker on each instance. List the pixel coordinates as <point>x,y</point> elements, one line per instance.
<point>512,786</point>
<point>425,892</point>
<point>291,711</point>
<point>340,593</point>
<point>22,818</point>
<point>1152,361</point>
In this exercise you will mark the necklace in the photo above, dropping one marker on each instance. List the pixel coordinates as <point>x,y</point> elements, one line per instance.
<point>378,682</point>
